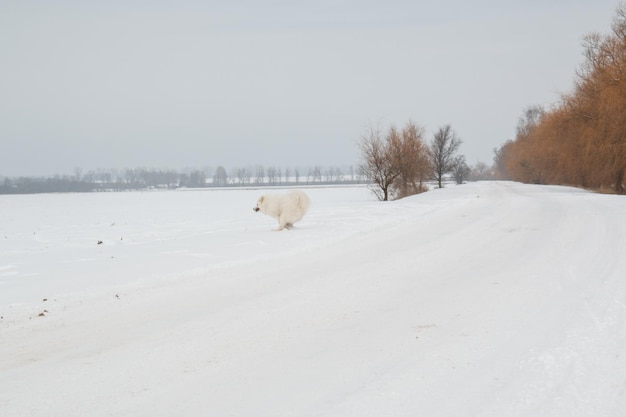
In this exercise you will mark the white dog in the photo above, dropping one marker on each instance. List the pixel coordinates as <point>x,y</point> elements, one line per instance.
<point>286,208</point>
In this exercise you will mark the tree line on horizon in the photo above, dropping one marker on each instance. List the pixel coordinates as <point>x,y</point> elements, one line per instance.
<point>582,140</point>
<point>146,178</point>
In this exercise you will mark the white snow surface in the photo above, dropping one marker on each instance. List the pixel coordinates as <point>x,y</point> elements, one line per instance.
<point>486,299</point>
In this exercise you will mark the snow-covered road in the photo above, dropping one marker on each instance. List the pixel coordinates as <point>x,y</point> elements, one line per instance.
<point>487,299</point>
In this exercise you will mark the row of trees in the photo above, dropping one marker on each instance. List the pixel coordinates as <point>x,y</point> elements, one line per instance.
<point>260,175</point>
<point>582,140</point>
<point>102,180</point>
<point>142,178</point>
<point>399,163</point>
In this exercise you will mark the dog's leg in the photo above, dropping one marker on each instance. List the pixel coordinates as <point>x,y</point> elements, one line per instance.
<point>283,223</point>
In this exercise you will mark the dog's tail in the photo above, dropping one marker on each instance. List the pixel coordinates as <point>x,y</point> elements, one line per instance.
<point>303,200</point>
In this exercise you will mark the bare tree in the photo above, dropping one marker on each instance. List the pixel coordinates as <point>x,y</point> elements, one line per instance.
<point>377,165</point>
<point>78,173</point>
<point>460,170</point>
<point>260,174</point>
<point>197,178</point>
<point>500,158</point>
<point>443,152</point>
<point>315,174</point>
<point>481,171</point>
<point>529,121</point>
<point>220,178</point>
<point>243,176</point>
<point>287,175</point>
<point>272,175</point>
<point>332,174</point>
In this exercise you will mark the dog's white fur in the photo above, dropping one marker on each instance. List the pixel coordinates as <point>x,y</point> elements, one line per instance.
<point>286,208</point>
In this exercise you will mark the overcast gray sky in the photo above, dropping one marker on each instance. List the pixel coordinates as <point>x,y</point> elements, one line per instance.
<point>175,84</point>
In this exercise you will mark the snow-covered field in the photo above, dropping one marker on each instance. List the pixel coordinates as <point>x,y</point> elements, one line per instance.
<point>487,299</point>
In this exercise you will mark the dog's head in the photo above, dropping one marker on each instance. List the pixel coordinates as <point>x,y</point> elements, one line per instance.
<point>259,204</point>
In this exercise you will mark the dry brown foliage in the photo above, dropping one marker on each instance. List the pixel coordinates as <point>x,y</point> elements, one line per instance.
<point>582,141</point>
<point>396,163</point>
